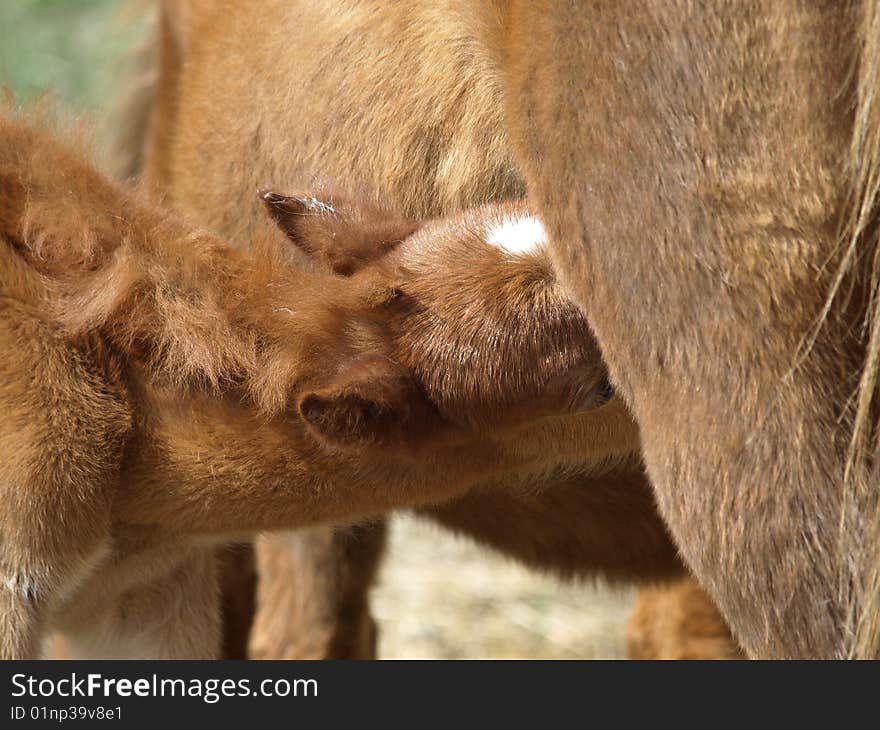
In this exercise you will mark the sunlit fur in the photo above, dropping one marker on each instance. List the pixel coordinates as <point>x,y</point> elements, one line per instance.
<point>696,180</point>
<point>406,100</point>
<point>706,174</point>
<point>163,391</point>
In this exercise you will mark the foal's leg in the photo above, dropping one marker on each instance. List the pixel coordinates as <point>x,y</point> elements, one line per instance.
<point>60,441</point>
<point>174,616</point>
<point>313,593</point>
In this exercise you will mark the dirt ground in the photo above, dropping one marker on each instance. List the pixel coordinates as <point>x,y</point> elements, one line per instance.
<point>443,597</point>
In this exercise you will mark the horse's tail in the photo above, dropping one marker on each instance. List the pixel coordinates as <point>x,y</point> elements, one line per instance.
<point>129,120</point>
<point>862,257</point>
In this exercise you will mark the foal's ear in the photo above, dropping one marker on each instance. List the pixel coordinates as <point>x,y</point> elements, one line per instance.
<point>372,401</point>
<point>344,234</point>
<point>296,216</point>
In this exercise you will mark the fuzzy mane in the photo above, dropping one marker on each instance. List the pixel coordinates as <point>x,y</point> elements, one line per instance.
<point>196,312</point>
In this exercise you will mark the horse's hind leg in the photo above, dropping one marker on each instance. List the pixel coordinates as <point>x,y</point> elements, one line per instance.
<point>678,621</point>
<point>238,585</point>
<point>313,593</point>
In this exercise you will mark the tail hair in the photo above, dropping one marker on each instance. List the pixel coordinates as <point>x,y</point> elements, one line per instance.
<point>861,256</point>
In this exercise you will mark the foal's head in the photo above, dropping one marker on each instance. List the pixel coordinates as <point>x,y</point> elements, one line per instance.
<point>462,323</point>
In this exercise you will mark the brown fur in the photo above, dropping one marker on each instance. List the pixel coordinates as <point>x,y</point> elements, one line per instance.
<point>321,582</point>
<point>406,102</point>
<point>164,391</point>
<point>678,622</point>
<point>861,231</point>
<point>127,123</point>
<point>732,131</point>
<point>696,165</point>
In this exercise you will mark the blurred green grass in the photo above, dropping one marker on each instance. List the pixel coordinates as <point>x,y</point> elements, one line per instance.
<point>75,48</point>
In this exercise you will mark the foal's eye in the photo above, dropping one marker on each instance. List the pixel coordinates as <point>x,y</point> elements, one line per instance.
<point>604,392</point>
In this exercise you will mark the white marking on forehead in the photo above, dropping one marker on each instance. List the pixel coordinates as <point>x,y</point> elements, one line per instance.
<point>518,236</point>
